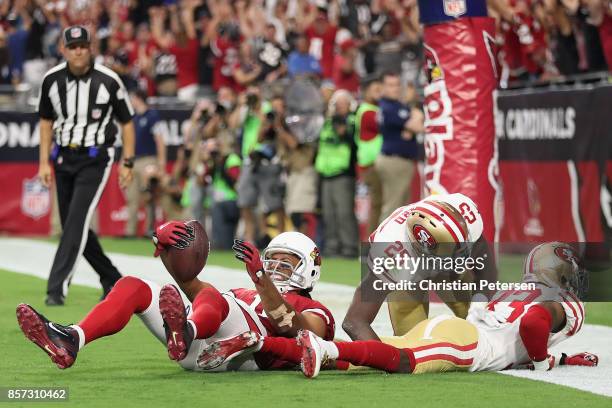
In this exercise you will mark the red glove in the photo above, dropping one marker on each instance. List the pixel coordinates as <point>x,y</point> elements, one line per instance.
<point>247,253</point>
<point>580,359</point>
<point>173,233</point>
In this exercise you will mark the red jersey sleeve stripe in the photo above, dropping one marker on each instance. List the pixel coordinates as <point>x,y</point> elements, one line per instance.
<point>318,312</point>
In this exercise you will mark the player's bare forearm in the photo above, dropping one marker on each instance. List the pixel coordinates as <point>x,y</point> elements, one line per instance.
<point>192,288</point>
<point>129,139</point>
<point>283,316</point>
<point>358,321</point>
<point>359,330</point>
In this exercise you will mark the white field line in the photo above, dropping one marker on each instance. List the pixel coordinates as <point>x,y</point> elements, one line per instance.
<point>34,258</point>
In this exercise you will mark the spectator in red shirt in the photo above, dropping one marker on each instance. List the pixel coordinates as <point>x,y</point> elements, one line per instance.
<point>600,15</point>
<point>181,42</point>
<point>224,46</point>
<point>322,36</point>
<point>345,76</point>
<point>140,56</point>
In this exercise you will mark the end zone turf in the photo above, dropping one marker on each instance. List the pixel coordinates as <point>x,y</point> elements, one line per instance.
<point>132,369</point>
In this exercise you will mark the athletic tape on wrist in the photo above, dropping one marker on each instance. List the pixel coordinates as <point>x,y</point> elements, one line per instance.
<point>281,312</point>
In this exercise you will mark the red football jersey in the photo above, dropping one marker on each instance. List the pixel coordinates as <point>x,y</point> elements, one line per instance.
<point>300,303</point>
<point>226,56</point>
<point>187,60</point>
<point>322,48</point>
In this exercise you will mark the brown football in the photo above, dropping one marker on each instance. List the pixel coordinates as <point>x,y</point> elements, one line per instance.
<point>186,264</point>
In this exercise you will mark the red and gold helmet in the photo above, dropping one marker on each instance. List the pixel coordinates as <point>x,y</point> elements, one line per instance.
<point>556,265</point>
<point>436,228</point>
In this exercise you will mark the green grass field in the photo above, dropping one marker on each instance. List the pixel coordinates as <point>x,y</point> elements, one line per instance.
<point>132,368</point>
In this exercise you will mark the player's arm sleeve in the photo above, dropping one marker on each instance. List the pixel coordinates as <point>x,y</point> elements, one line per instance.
<point>317,310</point>
<point>45,107</point>
<point>534,330</point>
<point>122,106</point>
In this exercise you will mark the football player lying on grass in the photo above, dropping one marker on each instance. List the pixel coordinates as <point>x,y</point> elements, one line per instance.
<point>280,305</point>
<point>514,330</point>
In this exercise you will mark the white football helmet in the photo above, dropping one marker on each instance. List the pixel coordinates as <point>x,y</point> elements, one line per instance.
<point>285,276</point>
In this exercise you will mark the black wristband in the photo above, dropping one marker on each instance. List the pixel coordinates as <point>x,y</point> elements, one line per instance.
<point>128,162</point>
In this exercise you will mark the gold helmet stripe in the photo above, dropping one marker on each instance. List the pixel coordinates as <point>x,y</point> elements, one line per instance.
<point>428,209</point>
<point>449,215</point>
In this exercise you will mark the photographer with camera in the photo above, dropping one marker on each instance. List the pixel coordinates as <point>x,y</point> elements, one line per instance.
<point>335,163</point>
<point>149,164</point>
<point>223,169</point>
<point>208,121</point>
<point>297,156</point>
<point>260,177</point>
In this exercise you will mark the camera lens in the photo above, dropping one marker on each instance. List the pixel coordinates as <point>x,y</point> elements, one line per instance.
<point>252,100</point>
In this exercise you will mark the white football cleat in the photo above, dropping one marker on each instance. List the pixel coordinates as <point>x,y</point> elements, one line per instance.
<point>312,353</point>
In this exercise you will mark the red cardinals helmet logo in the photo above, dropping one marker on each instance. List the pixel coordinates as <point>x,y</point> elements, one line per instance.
<point>424,237</point>
<point>567,254</point>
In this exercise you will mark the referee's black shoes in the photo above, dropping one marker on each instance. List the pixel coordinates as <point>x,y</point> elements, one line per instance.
<point>54,300</point>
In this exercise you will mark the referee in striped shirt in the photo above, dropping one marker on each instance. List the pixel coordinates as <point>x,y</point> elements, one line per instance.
<point>81,104</point>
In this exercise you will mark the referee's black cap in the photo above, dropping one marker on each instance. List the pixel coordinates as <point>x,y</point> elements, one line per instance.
<point>76,35</point>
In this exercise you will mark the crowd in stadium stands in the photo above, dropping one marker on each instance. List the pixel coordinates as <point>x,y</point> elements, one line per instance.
<point>259,71</point>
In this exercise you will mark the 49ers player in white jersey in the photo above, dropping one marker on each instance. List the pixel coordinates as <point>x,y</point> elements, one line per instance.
<point>516,329</point>
<point>280,305</point>
<point>445,225</point>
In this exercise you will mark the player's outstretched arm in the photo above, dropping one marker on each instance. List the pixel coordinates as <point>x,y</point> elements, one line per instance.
<point>535,328</point>
<point>363,310</point>
<point>283,316</point>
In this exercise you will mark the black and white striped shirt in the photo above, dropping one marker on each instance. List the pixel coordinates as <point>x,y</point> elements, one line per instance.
<point>84,109</point>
